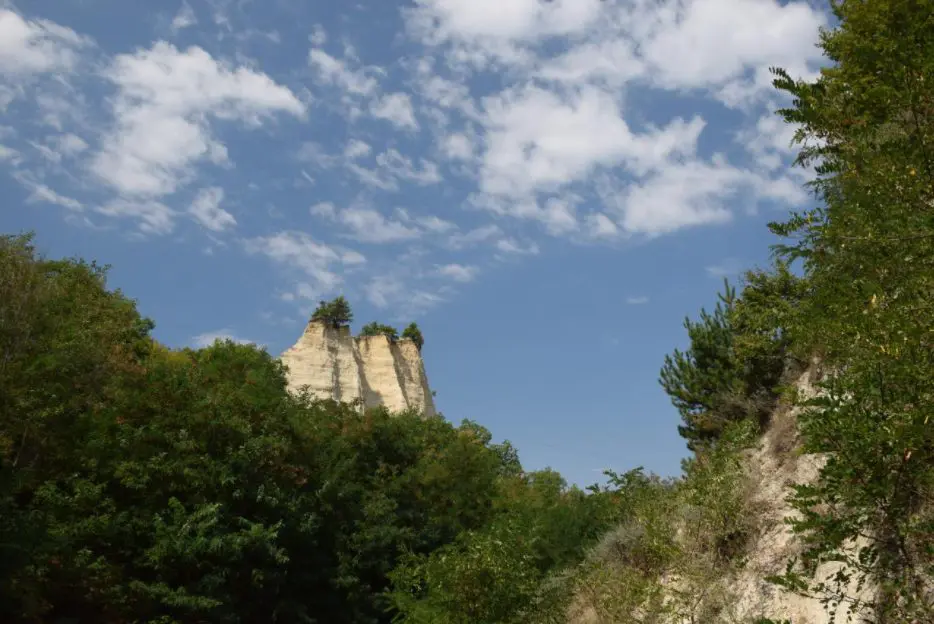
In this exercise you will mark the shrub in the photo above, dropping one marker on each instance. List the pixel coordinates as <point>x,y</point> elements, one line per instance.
<point>378,329</point>
<point>413,333</point>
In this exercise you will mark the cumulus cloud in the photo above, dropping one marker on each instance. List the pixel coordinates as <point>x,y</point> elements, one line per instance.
<point>538,140</point>
<point>165,103</point>
<point>34,46</point>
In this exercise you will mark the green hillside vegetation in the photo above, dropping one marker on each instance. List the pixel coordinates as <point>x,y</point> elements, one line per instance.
<point>140,483</point>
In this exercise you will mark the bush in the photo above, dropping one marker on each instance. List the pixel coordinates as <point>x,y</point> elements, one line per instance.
<point>378,329</point>
<point>413,333</point>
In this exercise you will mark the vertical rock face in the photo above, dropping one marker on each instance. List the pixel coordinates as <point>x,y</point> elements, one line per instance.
<point>335,365</point>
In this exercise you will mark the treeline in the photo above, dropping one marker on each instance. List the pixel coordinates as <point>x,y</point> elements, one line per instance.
<point>146,484</point>
<point>337,313</point>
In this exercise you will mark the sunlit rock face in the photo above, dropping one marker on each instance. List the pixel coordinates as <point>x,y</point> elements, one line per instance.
<point>335,365</point>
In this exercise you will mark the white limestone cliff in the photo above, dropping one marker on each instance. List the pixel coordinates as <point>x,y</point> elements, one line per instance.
<point>333,364</point>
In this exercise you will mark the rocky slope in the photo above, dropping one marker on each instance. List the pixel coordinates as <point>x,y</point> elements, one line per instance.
<point>774,468</point>
<point>771,468</point>
<point>333,364</point>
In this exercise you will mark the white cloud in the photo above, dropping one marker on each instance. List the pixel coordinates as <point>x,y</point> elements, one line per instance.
<point>458,272</point>
<point>539,141</point>
<point>42,193</point>
<point>356,148</point>
<point>323,209</point>
<point>512,246</point>
<point>482,30</point>
<point>393,291</point>
<point>184,18</point>
<point>207,339</point>
<point>9,154</point>
<point>395,108</point>
<point>705,43</point>
<point>482,234</point>
<point>725,46</point>
<point>640,300</point>
<point>558,215</point>
<point>769,142</point>
<point>613,62</point>
<point>70,144</point>
<point>206,210</point>
<point>457,146</point>
<point>34,46</point>
<point>393,166</point>
<point>165,100</point>
<point>369,226</point>
<point>154,217</point>
<point>318,36</point>
<point>57,148</point>
<point>679,196</point>
<point>403,167</point>
<point>317,261</point>
<point>435,224</point>
<point>334,71</point>
<point>601,226</point>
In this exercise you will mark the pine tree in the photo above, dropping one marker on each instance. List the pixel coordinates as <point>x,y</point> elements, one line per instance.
<point>698,379</point>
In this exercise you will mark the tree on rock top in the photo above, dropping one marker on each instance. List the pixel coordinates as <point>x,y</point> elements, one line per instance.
<point>336,313</point>
<point>413,333</point>
<point>378,329</point>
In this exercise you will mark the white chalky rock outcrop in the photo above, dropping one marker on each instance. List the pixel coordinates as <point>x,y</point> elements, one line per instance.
<point>333,364</point>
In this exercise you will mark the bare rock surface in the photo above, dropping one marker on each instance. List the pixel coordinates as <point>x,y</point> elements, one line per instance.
<point>333,364</point>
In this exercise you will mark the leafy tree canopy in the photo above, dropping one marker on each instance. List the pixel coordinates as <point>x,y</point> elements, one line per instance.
<point>336,313</point>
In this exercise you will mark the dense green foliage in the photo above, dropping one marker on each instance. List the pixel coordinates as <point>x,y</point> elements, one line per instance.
<point>336,313</point>
<point>378,329</point>
<point>868,250</point>
<point>145,484</point>
<point>413,333</point>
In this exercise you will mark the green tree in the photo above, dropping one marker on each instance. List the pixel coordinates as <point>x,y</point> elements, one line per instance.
<point>378,329</point>
<point>698,379</point>
<point>413,333</point>
<point>150,484</point>
<point>867,126</point>
<point>336,313</point>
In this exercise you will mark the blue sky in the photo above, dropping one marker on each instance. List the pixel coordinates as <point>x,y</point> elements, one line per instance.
<point>548,188</point>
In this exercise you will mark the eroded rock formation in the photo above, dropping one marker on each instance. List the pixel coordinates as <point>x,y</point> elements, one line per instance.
<point>333,364</point>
